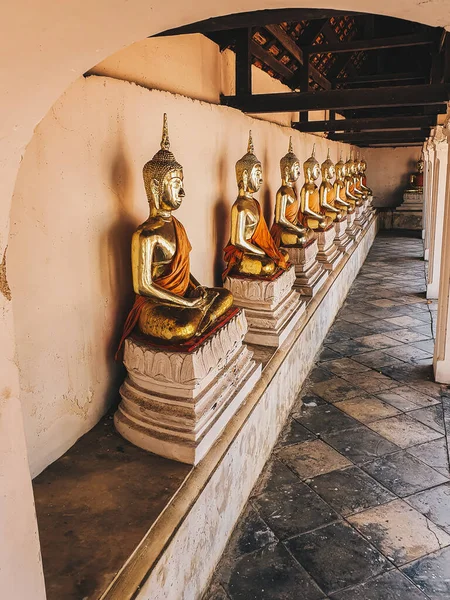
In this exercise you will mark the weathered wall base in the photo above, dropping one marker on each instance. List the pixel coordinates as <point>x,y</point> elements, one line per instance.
<point>182,549</point>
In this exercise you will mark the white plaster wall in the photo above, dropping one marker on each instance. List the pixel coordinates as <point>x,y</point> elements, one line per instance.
<point>388,171</point>
<point>78,198</point>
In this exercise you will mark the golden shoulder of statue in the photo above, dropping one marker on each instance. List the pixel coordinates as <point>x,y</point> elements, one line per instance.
<point>287,229</point>
<point>251,250</point>
<point>170,304</point>
<point>311,213</point>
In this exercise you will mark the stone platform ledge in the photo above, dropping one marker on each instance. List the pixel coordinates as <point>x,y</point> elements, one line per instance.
<point>177,557</point>
<point>272,307</point>
<point>328,255</point>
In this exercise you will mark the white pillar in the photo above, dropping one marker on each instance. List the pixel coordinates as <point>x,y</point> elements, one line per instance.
<point>436,213</point>
<point>428,192</point>
<point>441,360</point>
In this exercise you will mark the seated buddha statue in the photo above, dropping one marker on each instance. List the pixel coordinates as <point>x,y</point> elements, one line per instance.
<point>339,189</point>
<point>357,190</point>
<point>311,214</point>
<point>327,196</point>
<point>361,167</point>
<point>170,305</point>
<point>352,197</point>
<point>251,251</point>
<point>416,179</point>
<point>286,229</point>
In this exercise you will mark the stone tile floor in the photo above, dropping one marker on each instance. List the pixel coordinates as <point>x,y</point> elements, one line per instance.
<point>354,503</point>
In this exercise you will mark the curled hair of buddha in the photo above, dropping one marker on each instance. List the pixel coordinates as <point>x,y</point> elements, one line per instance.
<point>327,163</point>
<point>288,160</point>
<point>247,162</point>
<point>161,164</point>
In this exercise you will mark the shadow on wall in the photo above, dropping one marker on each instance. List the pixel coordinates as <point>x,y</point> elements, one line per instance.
<point>221,217</point>
<point>118,258</point>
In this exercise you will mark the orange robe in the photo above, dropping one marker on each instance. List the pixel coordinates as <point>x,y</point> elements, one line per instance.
<point>261,237</point>
<point>291,215</point>
<point>175,280</point>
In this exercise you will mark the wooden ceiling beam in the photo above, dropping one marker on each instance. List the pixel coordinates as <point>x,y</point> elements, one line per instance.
<point>374,44</point>
<point>290,46</point>
<point>406,95</point>
<point>269,60</point>
<point>380,77</point>
<point>381,136</point>
<point>404,123</point>
<point>258,18</point>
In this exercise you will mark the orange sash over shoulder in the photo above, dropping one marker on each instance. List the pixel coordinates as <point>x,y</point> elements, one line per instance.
<point>175,280</point>
<point>262,238</point>
<point>291,215</point>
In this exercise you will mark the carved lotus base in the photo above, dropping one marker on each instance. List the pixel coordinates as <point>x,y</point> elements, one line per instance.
<point>272,308</point>
<point>176,404</point>
<point>362,216</point>
<point>342,240</point>
<point>310,274</point>
<point>328,255</point>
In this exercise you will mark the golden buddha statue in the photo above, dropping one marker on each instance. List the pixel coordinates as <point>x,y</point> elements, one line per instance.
<point>251,250</point>
<point>311,214</point>
<point>357,191</point>
<point>327,196</point>
<point>286,229</point>
<point>416,179</point>
<point>361,167</point>
<point>170,306</point>
<point>339,189</point>
<point>353,198</point>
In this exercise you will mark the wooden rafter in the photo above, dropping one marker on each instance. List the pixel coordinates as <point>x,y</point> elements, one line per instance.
<point>413,122</point>
<point>377,44</point>
<point>418,95</point>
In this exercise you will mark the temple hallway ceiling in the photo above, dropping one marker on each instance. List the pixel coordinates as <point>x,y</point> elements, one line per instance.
<point>381,80</point>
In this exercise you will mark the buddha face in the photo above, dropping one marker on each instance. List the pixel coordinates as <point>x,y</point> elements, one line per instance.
<point>254,180</point>
<point>172,193</point>
<point>340,171</point>
<point>292,172</point>
<point>315,172</point>
<point>328,172</point>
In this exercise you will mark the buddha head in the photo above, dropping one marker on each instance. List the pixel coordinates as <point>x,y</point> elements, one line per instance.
<point>420,165</point>
<point>350,167</point>
<point>311,167</point>
<point>163,177</point>
<point>359,165</point>
<point>249,170</point>
<point>340,169</point>
<point>327,168</point>
<point>290,166</point>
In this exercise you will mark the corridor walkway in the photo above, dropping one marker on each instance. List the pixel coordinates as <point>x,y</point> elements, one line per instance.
<point>354,503</point>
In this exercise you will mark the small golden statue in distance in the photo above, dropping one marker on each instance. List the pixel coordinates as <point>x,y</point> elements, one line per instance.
<point>311,214</point>
<point>416,179</point>
<point>352,197</point>
<point>361,167</point>
<point>251,250</point>
<point>357,190</point>
<point>286,229</point>
<point>339,189</point>
<point>327,196</point>
<point>170,306</point>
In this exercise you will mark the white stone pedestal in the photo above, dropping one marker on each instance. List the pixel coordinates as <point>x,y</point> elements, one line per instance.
<point>353,230</point>
<point>328,254</point>
<point>342,240</point>
<point>272,308</point>
<point>310,273</point>
<point>176,404</point>
<point>409,214</point>
<point>361,219</point>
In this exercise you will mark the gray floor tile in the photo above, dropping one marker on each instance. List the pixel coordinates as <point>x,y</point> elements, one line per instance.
<point>312,458</point>
<point>325,419</point>
<point>434,454</point>
<point>404,431</point>
<point>336,556</point>
<point>360,445</point>
<point>434,504</point>
<point>350,491</point>
<point>389,586</point>
<point>432,574</point>
<point>403,474</point>
<point>432,417</point>
<point>293,434</point>
<point>336,389</point>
